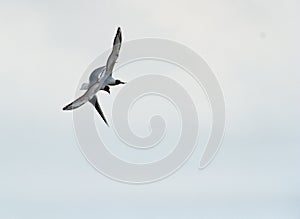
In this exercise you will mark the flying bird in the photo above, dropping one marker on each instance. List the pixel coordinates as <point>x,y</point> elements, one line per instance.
<point>100,79</point>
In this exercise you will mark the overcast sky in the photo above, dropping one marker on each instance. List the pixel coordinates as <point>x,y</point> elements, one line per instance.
<point>252,46</point>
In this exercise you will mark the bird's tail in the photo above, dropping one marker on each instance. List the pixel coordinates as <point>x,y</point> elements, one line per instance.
<point>85,86</point>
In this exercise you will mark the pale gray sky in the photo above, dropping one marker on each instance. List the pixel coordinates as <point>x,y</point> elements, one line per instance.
<point>252,46</point>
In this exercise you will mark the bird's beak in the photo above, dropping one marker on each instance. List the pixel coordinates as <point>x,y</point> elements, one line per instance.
<point>123,82</point>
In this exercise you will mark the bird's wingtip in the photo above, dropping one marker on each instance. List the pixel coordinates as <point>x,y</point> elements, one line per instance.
<point>119,32</point>
<point>68,107</point>
<point>118,37</point>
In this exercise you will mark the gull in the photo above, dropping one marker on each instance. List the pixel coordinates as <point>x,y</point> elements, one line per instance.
<point>100,79</point>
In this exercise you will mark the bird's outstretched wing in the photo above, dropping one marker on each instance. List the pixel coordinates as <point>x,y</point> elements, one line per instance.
<point>95,103</point>
<point>114,53</point>
<point>91,91</point>
<point>77,103</point>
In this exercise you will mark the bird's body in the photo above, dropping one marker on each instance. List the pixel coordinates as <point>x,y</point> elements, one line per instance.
<point>94,77</point>
<point>100,79</point>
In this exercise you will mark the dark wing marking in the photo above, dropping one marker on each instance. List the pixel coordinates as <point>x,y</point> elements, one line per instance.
<point>77,103</point>
<point>111,61</point>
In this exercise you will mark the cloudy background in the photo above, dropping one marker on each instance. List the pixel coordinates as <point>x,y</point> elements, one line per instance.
<point>252,46</point>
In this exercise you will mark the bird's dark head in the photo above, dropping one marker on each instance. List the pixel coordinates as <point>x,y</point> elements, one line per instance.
<point>119,82</point>
<point>107,89</point>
